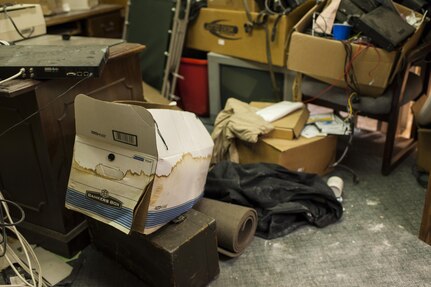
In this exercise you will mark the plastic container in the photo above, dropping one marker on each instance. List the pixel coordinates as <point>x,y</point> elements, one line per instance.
<point>193,89</point>
<point>341,31</point>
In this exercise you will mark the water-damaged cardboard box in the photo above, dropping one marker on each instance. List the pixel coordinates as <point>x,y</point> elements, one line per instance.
<point>133,168</point>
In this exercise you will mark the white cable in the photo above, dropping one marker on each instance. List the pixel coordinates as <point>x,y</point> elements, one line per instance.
<point>15,270</point>
<point>28,251</point>
<point>15,259</point>
<point>21,241</point>
<point>21,71</point>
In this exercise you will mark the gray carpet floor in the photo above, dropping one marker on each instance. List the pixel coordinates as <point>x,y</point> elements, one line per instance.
<point>375,243</point>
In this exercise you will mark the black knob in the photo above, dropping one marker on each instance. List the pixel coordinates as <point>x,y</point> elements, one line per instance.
<point>65,37</point>
<point>111,156</point>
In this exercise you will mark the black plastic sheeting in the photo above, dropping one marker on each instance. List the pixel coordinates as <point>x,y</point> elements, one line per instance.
<point>284,200</point>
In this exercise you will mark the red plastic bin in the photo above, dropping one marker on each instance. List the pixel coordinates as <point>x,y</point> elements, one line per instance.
<point>193,89</point>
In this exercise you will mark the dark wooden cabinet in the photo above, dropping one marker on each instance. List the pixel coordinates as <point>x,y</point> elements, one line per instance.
<point>109,25</point>
<point>104,20</point>
<point>35,157</point>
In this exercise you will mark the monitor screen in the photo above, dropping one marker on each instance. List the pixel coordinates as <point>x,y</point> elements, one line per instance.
<point>248,85</point>
<point>244,80</point>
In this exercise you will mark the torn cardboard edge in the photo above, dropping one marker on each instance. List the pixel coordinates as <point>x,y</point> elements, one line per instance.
<point>133,168</point>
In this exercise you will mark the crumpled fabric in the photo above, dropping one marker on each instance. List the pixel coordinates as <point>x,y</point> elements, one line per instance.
<point>238,120</point>
<point>284,200</point>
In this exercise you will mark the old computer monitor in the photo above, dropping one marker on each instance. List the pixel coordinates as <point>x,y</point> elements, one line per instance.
<point>244,80</point>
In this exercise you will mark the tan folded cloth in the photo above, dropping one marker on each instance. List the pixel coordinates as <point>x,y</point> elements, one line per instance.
<point>238,120</point>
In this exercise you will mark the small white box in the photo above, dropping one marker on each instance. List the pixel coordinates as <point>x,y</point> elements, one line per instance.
<point>133,168</point>
<point>80,4</point>
<point>27,17</point>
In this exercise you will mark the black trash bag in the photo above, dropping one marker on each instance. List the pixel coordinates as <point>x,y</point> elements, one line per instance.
<point>284,200</point>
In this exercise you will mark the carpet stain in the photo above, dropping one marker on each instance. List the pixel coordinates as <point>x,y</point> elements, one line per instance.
<point>372,202</point>
<point>385,242</point>
<point>377,227</point>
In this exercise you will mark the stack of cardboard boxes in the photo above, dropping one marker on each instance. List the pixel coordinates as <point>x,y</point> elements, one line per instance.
<point>222,28</point>
<point>285,145</point>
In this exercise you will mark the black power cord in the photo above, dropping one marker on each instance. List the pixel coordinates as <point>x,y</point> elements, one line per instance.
<point>44,107</point>
<point>349,70</point>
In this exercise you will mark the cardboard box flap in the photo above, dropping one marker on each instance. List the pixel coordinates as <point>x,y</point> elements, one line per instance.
<point>284,145</point>
<point>305,21</point>
<point>114,160</point>
<point>125,126</point>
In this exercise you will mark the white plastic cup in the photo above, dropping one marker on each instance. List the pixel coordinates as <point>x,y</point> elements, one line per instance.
<point>336,183</point>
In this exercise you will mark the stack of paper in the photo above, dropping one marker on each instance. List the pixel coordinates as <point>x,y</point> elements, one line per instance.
<point>336,126</point>
<point>279,110</point>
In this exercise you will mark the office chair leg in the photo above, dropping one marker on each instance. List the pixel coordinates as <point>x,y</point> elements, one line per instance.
<point>390,158</point>
<point>425,229</point>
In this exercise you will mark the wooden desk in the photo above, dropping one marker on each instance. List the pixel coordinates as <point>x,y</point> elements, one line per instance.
<point>104,20</point>
<point>36,156</point>
<point>425,230</point>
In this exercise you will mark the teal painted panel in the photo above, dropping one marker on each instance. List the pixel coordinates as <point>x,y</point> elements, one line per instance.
<point>149,22</point>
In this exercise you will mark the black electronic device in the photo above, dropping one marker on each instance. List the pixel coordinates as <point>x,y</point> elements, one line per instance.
<point>385,28</point>
<point>279,6</point>
<point>417,5</point>
<point>347,11</point>
<point>52,62</point>
<point>366,5</point>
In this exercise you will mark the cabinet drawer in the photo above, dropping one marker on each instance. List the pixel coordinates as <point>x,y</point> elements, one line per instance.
<point>106,26</point>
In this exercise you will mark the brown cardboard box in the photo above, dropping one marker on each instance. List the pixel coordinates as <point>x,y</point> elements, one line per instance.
<point>233,5</point>
<point>313,155</point>
<point>223,32</point>
<point>288,127</point>
<point>324,59</point>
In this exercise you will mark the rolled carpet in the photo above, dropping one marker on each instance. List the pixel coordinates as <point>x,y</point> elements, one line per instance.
<point>236,225</point>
